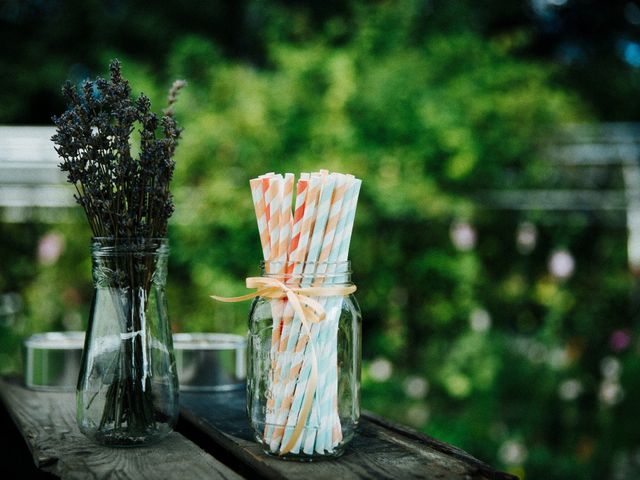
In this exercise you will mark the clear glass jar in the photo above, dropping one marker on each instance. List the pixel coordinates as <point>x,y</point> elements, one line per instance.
<point>127,391</point>
<point>284,351</point>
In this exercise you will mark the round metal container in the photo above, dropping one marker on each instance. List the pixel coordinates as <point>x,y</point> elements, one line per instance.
<point>52,360</point>
<point>206,362</point>
<point>210,362</point>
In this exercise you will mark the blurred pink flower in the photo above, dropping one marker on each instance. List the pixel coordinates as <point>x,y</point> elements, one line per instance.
<point>50,248</point>
<point>620,339</point>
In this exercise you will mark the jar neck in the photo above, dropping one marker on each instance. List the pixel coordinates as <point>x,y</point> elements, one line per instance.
<point>129,263</point>
<point>112,246</point>
<point>308,273</point>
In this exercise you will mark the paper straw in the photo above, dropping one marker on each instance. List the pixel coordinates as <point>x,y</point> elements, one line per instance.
<point>299,255</point>
<point>293,360</point>
<point>285,219</point>
<point>273,199</point>
<point>261,216</point>
<point>327,266</point>
<point>298,215</point>
<point>335,212</point>
<point>271,190</point>
<point>312,229</point>
<point>322,217</point>
<point>293,248</point>
<point>329,387</point>
<point>285,192</point>
<point>277,359</point>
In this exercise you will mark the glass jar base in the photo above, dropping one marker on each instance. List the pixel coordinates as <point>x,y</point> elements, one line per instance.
<point>128,440</point>
<point>301,456</point>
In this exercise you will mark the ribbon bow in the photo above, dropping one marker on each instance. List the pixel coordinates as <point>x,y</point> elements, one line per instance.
<point>309,311</point>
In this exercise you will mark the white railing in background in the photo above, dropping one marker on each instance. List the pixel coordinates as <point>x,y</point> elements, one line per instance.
<point>586,158</point>
<point>600,163</point>
<point>29,174</point>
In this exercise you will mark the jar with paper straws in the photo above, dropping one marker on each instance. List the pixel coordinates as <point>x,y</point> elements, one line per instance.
<point>304,349</point>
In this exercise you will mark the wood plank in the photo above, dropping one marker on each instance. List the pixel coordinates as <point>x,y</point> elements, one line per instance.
<point>380,450</point>
<point>47,422</point>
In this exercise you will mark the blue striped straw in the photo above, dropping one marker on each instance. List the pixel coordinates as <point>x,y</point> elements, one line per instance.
<point>327,390</point>
<point>314,250</point>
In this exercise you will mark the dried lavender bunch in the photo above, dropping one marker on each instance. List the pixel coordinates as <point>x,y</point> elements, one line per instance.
<point>123,197</point>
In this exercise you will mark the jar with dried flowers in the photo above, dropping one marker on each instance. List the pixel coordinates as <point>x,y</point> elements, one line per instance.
<point>127,390</point>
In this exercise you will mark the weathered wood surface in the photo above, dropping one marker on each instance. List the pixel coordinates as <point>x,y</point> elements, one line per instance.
<point>381,450</point>
<point>47,422</point>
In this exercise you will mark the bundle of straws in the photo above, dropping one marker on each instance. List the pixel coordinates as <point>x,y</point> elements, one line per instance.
<point>303,248</point>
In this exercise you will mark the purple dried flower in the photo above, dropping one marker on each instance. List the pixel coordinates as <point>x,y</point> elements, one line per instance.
<point>123,197</point>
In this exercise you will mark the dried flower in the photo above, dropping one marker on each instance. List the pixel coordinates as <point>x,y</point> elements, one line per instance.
<point>123,197</point>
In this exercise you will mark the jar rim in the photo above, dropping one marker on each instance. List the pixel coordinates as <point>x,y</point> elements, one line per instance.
<point>139,245</point>
<point>335,273</point>
<point>335,267</point>
<point>131,239</point>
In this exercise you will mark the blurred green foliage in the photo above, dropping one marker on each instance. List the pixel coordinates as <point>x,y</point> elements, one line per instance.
<point>473,340</point>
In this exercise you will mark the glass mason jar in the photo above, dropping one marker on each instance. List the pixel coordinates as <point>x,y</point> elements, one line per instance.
<point>303,375</point>
<point>127,391</point>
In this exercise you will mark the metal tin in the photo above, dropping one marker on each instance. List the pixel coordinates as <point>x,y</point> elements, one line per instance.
<point>206,362</point>
<point>52,360</point>
<point>210,362</point>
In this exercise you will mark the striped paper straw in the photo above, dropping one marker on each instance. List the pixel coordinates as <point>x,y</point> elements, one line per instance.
<point>322,217</point>
<point>271,189</point>
<point>285,193</point>
<point>317,329</point>
<point>301,196</point>
<point>277,359</point>
<point>299,255</point>
<point>285,219</point>
<point>329,388</point>
<point>285,393</point>
<point>293,250</point>
<point>329,257</point>
<point>261,216</point>
<point>273,199</point>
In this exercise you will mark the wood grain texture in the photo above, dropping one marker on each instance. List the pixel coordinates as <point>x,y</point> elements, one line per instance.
<point>380,450</point>
<point>47,422</point>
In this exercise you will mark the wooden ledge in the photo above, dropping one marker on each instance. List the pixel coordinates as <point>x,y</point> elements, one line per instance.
<point>224,447</point>
<point>47,423</point>
<point>380,450</point>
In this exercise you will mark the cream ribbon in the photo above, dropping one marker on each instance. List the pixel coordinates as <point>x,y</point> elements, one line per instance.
<point>309,311</point>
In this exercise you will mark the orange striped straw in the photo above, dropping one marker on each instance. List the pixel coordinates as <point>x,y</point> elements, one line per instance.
<point>299,254</point>
<point>265,189</point>
<point>301,195</point>
<point>261,216</point>
<point>285,219</point>
<point>274,200</point>
<point>284,197</point>
<point>308,220</point>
